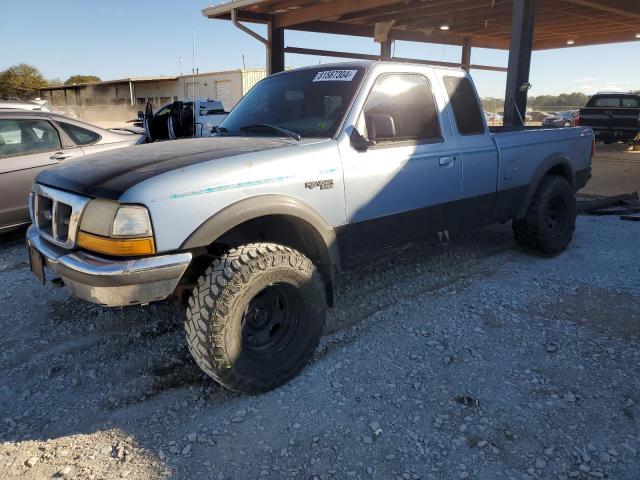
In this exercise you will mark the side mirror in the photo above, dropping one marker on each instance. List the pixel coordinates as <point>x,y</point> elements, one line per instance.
<point>381,126</point>
<point>359,142</point>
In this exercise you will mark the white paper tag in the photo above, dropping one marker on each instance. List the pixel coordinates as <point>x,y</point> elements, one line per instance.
<point>335,76</point>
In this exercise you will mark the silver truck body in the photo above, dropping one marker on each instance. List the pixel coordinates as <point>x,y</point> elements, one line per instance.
<point>355,203</point>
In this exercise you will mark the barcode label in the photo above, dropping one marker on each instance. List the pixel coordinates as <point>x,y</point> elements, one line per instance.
<point>335,76</point>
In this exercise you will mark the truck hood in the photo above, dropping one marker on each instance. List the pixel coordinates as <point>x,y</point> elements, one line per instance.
<point>109,174</point>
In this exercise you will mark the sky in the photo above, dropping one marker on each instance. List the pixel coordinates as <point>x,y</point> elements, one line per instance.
<point>125,38</point>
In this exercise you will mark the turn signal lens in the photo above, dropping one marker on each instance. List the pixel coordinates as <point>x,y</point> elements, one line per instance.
<point>121,247</point>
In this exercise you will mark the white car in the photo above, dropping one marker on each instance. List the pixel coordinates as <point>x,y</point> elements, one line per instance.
<point>33,140</point>
<point>37,105</point>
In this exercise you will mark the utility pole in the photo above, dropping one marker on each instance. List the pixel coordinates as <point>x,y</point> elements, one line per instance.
<point>193,65</point>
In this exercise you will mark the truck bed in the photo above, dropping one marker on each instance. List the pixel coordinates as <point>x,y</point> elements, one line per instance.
<point>521,148</point>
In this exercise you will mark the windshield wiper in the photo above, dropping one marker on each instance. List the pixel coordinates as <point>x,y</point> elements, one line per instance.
<point>219,130</point>
<point>284,131</point>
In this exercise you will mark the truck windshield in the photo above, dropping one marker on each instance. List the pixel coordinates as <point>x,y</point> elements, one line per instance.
<point>310,102</point>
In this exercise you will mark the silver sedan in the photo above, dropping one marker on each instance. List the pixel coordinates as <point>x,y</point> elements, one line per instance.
<point>31,141</point>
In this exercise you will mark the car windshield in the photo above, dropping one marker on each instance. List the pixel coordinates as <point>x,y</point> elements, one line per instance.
<point>310,102</point>
<point>564,114</point>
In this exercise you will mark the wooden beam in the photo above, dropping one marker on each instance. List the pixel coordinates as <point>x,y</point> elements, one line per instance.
<point>626,8</point>
<point>584,40</point>
<point>363,56</point>
<point>465,60</point>
<point>438,37</point>
<point>321,11</point>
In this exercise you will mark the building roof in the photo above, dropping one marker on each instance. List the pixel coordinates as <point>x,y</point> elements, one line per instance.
<point>483,23</point>
<point>150,79</point>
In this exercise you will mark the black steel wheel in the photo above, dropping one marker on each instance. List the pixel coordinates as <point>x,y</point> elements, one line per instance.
<point>271,320</point>
<point>550,221</point>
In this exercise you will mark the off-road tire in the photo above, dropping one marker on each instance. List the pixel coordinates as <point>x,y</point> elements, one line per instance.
<point>217,316</point>
<point>550,221</point>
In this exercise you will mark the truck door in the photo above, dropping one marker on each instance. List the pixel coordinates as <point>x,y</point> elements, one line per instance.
<point>406,183</point>
<point>478,150</point>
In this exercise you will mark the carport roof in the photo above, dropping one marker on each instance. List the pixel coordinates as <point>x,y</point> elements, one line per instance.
<point>481,23</point>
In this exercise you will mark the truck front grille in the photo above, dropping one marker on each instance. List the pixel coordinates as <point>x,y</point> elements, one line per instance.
<point>56,214</point>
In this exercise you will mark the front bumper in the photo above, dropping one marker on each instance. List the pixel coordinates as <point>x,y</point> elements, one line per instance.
<point>112,282</point>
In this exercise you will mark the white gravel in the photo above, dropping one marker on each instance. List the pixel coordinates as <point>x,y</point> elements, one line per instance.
<point>472,360</point>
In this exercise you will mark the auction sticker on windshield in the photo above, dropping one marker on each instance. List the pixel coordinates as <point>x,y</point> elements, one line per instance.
<point>335,76</point>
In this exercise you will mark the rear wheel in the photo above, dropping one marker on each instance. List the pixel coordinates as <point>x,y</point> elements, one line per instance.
<point>256,317</point>
<point>550,221</point>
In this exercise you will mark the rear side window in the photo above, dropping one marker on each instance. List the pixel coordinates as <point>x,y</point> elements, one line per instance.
<point>79,135</point>
<point>406,102</point>
<point>464,103</point>
<point>24,137</point>
<point>630,102</point>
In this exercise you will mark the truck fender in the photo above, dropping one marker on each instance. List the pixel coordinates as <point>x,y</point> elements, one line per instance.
<point>557,164</point>
<point>323,237</point>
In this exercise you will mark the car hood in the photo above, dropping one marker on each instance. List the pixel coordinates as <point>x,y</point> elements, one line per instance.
<point>109,174</point>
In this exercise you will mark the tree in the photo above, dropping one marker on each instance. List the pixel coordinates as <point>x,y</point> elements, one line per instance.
<point>76,79</point>
<point>21,81</point>
<point>54,82</point>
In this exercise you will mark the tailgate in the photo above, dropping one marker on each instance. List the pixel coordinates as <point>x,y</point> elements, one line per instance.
<point>596,118</point>
<point>625,119</point>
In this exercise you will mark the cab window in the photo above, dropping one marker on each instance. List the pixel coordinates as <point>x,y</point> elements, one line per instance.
<point>607,102</point>
<point>464,103</point>
<point>401,108</point>
<point>22,137</point>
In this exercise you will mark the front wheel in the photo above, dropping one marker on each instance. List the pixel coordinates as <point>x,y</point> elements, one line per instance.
<point>550,221</point>
<point>256,316</point>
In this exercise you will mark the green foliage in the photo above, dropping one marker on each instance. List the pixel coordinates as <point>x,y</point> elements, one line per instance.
<point>575,99</point>
<point>541,102</point>
<point>76,79</point>
<point>21,81</point>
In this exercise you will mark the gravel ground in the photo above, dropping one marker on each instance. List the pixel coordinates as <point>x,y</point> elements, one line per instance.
<point>467,360</point>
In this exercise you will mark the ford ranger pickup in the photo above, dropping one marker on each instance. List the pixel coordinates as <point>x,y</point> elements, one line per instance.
<point>313,171</point>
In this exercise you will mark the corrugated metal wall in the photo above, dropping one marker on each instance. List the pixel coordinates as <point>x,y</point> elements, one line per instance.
<point>250,78</point>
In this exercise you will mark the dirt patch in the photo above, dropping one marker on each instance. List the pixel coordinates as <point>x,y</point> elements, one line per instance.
<point>605,311</point>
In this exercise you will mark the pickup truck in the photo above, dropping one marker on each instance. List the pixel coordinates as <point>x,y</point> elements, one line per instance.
<point>612,116</point>
<point>313,171</point>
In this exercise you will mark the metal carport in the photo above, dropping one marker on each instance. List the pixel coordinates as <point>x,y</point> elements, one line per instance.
<point>517,25</point>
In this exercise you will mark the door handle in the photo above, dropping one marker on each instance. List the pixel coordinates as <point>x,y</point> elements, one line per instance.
<point>445,161</point>
<point>60,156</point>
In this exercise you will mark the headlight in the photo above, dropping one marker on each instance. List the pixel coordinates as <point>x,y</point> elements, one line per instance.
<point>114,229</point>
<point>131,221</point>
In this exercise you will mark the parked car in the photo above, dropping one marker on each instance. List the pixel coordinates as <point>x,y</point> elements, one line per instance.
<point>39,105</point>
<point>31,141</point>
<point>561,119</point>
<point>492,117</point>
<point>176,120</point>
<point>314,170</point>
<point>612,116</point>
